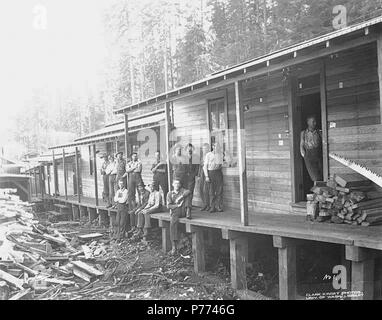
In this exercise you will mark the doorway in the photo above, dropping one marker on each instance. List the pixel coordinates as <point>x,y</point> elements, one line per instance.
<point>308,99</point>
<point>310,106</point>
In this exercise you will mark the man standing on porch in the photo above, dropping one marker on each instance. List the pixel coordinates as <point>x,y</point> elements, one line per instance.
<point>204,187</point>
<point>122,211</point>
<point>159,169</point>
<point>311,149</point>
<point>214,176</point>
<point>111,171</point>
<point>177,202</point>
<point>121,168</point>
<point>134,169</point>
<point>191,171</point>
<point>105,178</point>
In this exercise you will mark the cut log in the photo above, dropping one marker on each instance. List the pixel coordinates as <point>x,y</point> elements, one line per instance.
<point>85,267</point>
<point>11,279</point>
<point>90,236</point>
<point>351,180</point>
<point>23,294</point>
<point>4,290</point>
<point>83,275</point>
<point>368,204</point>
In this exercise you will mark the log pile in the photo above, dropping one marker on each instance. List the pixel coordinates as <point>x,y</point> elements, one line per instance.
<point>348,199</point>
<point>38,261</point>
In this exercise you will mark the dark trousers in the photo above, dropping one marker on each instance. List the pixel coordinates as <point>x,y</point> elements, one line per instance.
<point>134,180</point>
<point>105,193</point>
<point>216,188</point>
<point>144,219</point>
<point>161,180</point>
<point>112,179</point>
<point>190,185</point>
<point>175,215</point>
<point>121,220</point>
<point>313,163</point>
<point>204,190</point>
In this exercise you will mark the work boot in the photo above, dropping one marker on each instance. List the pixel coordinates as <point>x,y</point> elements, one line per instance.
<point>220,210</point>
<point>213,210</point>
<point>204,208</point>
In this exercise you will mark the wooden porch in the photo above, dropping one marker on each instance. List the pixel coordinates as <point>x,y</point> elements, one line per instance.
<point>361,245</point>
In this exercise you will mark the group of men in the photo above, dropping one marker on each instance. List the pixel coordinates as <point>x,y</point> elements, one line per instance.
<point>124,188</point>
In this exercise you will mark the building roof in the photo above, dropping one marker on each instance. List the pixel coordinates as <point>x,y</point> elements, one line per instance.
<point>226,76</point>
<point>116,130</point>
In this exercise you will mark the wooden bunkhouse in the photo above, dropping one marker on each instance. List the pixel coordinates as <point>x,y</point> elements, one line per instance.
<point>256,110</point>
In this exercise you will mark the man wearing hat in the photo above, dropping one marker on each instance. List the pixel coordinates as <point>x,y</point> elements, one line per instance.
<point>141,202</point>
<point>191,171</point>
<point>111,171</point>
<point>105,177</point>
<point>120,199</point>
<point>177,202</point>
<point>134,169</point>
<point>154,205</point>
<point>160,174</point>
<point>121,168</point>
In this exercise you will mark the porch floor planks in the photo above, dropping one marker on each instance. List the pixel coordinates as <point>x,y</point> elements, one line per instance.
<point>286,225</point>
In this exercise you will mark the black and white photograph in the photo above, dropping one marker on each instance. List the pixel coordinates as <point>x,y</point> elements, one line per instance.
<point>185,156</point>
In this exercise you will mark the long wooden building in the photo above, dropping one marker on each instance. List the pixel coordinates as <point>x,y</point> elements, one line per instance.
<point>256,110</point>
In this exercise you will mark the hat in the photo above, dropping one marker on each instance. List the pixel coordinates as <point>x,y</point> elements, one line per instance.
<point>104,155</point>
<point>119,152</point>
<point>153,183</point>
<point>141,184</point>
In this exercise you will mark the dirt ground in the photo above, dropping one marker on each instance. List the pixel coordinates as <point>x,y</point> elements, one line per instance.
<point>140,270</point>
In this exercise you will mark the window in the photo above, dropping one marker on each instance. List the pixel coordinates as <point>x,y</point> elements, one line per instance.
<point>218,126</point>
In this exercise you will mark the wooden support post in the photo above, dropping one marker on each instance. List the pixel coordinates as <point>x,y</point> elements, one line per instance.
<point>167,139</point>
<point>362,277</point>
<point>127,137</point>
<point>42,185</point>
<point>95,175</point>
<point>166,242</point>
<point>287,267</point>
<point>198,250</point>
<point>238,243</point>
<point>83,213</point>
<point>379,54</point>
<point>78,175</point>
<point>324,118</point>
<point>65,175</point>
<point>92,214</point>
<point>54,174</point>
<point>35,181</point>
<point>241,152</point>
<point>48,177</point>
<point>76,212</point>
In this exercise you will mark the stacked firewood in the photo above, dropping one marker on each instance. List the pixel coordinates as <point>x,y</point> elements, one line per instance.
<point>346,199</point>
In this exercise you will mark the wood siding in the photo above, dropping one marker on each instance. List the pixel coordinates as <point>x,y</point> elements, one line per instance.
<point>354,128</point>
<point>267,142</point>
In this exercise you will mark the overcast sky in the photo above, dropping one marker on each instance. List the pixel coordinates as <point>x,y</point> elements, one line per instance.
<point>64,50</point>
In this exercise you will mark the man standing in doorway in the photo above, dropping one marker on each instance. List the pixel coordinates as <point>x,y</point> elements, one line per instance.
<point>159,169</point>
<point>311,149</point>
<point>177,202</point>
<point>134,170</point>
<point>214,176</point>
<point>105,178</point>
<point>111,171</point>
<point>204,187</point>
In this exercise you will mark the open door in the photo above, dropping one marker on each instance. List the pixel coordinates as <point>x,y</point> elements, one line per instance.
<point>308,99</point>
